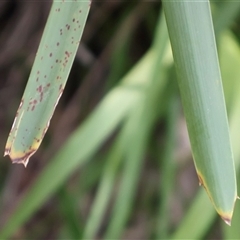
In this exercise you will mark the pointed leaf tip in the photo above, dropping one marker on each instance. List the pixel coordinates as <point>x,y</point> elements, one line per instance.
<point>227,220</point>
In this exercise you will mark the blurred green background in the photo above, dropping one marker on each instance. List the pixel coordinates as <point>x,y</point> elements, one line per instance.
<point>116,161</point>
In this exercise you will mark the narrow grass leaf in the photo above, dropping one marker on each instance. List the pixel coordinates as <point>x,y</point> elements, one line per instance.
<point>109,113</point>
<point>195,56</point>
<point>228,51</point>
<point>142,119</point>
<point>48,77</point>
<point>202,219</point>
<point>107,182</point>
<point>230,58</point>
<point>167,168</point>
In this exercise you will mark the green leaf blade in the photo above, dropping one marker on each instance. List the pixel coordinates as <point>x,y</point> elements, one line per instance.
<point>48,77</point>
<point>195,55</point>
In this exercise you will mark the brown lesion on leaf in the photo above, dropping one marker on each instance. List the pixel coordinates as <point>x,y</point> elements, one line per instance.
<point>67,26</point>
<point>32,104</point>
<point>67,54</point>
<point>39,88</point>
<point>200,180</point>
<point>41,96</point>
<point>60,87</point>
<point>226,216</point>
<point>203,183</point>
<point>37,140</point>
<point>24,159</point>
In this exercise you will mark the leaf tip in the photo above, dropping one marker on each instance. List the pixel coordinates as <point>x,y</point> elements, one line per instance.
<point>23,161</point>
<point>227,216</point>
<point>17,157</point>
<point>227,219</point>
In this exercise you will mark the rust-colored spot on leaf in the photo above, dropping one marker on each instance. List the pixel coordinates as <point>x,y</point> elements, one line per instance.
<point>67,26</point>
<point>67,53</point>
<point>41,96</point>
<point>37,140</point>
<point>39,89</point>
<point>200,180</point>
<point>202,183</point>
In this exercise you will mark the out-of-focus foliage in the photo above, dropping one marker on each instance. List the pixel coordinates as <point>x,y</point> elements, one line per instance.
<point>100,163</point>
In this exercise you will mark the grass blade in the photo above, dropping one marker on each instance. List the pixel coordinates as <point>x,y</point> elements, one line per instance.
<point>195,55</point>
<point>230,59</point>
<point>48,77</point>
<point>230,52</point>
<point>167,168</point>
<point>142,118</point>
<point>124,99</point>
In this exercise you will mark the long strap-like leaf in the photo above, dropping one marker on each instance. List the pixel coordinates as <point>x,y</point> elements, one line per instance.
<point>48,77</point>
<point>196,62</point>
